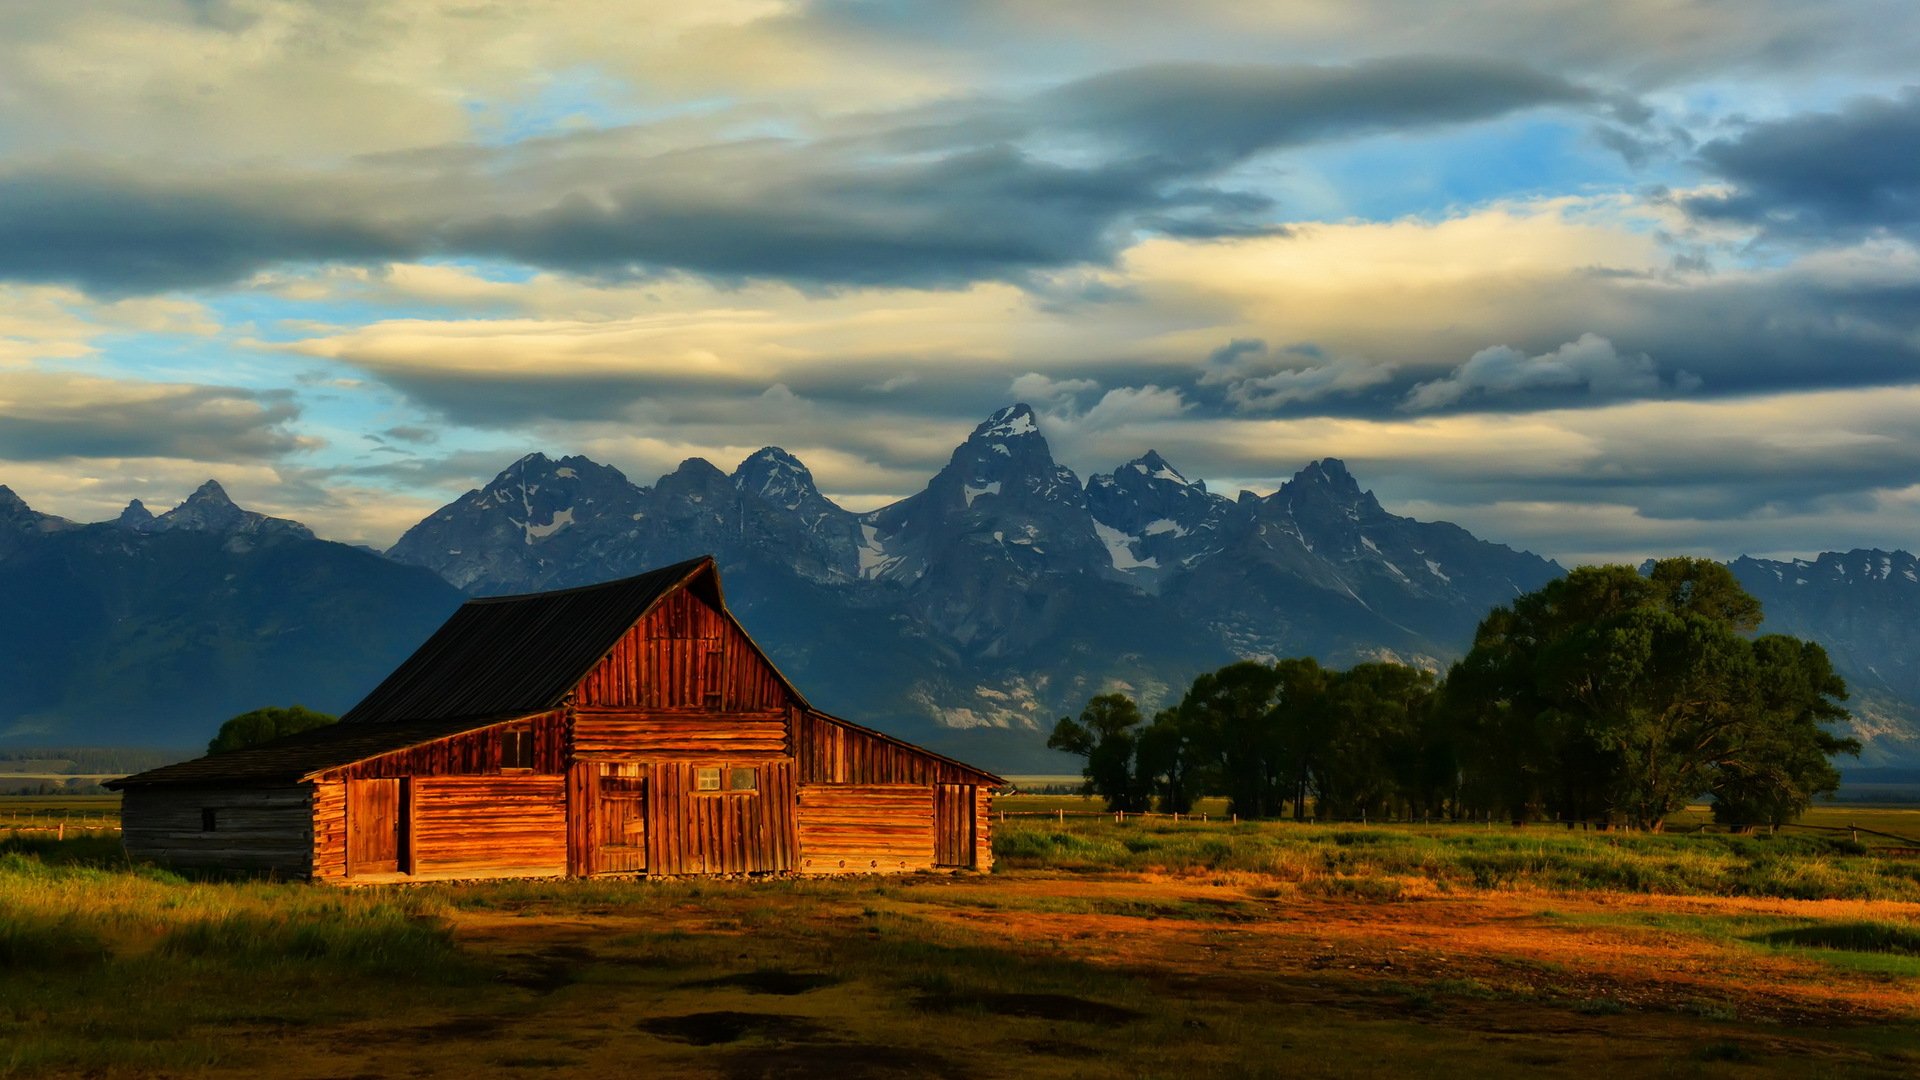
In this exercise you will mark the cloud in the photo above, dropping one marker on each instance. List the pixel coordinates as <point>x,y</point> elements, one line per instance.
<point>49,415</point>
<point>1257,379</point>
<point>968,190</point>
<point>1218,114</point>
<point>1590,362</point>
<point>1822,176</point>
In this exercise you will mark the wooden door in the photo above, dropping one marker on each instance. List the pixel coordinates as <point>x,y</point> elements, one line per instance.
<point>621,836</point>
<point>376,826</point>
<point>953,825</point>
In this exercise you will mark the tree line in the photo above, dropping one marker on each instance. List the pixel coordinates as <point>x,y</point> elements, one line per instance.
<point>1607,694</point>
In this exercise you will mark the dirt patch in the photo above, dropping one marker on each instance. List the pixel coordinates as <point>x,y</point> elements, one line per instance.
<point>715,1028</point>
<point>843,1061</point>
<point>1059,1048</point>
<point>1063,1007</point>
<point>550,969</point>
<point>452,1029</point>
<point>782,983</point>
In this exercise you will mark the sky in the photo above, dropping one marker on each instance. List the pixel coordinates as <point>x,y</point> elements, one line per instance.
<point>1601,280</point>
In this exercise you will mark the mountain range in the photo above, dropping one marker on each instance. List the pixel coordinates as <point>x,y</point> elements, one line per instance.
<point>966,616</point>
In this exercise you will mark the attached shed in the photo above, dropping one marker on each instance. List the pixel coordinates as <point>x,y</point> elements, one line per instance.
<point>625,728</point>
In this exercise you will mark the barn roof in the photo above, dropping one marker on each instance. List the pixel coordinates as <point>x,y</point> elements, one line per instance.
<point>522,654</point>
<point>295,757</point>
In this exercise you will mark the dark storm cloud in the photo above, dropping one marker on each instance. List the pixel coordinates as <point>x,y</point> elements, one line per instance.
<point>1213,115</point>
<point>1822,176</point>
<point>116,232</point>
<point>942,195</point>
<point>45,417</point>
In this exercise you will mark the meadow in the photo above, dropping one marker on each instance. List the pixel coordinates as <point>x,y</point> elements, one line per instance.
<point>1095,949</point>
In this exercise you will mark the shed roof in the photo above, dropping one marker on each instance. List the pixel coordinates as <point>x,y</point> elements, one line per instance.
<point>295,757</point>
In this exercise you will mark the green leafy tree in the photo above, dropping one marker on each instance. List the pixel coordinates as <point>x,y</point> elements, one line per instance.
<point>1166,762</point>
<point>1302,725</point>
<point>266,725</point>
<point>1372,756</point>
<point>1105,735</point>
<point>1611,690</point>
<point>1230,713</point>
<point>1787,759</point>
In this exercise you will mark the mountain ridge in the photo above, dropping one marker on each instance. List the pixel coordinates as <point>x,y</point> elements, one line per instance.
<point>1007,590</point>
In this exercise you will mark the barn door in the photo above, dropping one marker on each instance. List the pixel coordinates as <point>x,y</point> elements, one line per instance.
<point>953,825</point>
<point>622,821</point>
<point>376,826</point>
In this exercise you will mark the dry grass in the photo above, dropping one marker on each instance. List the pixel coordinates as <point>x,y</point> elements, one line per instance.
<point>1211,952</point>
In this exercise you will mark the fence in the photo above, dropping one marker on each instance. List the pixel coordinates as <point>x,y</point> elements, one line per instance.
<point>59,824</point>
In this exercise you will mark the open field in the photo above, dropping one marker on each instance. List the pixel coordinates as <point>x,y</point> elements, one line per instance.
<point>1097,950</point>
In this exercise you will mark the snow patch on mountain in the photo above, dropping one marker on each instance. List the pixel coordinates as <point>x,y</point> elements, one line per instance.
<point>1120,549</point>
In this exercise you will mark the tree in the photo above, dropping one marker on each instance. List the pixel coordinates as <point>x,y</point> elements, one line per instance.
<point>1229,713</point>
<point>1166,762</point>
<point>1300,716</point>
<point>1635,693</point>
<point>266,725</point>
<point>1786,761</point>
<point>1105,736</point>
<point>1372,754</point>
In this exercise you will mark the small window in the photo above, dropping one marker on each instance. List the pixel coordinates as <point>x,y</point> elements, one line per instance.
<point>705,779</point>
<point>743,780</point>
<point>516,748</point>
<point>207,819</point>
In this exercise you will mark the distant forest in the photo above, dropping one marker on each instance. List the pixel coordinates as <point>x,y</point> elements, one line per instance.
<point>1607,695</point>
<point>39,770</point>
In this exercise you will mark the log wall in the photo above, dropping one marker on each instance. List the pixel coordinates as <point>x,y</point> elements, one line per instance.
<point>685,654</point>
<point>621,734</point>
<point>329,830</point>
<point>489,826</point>
<point>983,828</point>
<point>865,829</point>
<point>256,830</point>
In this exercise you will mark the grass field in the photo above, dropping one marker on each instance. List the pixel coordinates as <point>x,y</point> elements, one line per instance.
<point>1096,950</point>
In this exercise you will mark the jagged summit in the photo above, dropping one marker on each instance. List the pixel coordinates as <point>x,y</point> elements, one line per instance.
<point>1011,422</point>
<point>778,477</point>
<point>1153,465</point>
<point>11,503</point>
<point>209,509</point>
<point>135,516</point>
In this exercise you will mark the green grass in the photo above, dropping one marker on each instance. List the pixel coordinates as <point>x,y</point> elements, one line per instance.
<point>1372,859</point>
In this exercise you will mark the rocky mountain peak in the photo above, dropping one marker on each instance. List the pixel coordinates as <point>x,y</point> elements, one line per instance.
<point>1326,484</point>
<point>1151,464</point>
<point>208,509</point>
<point>778,477</point>
<point>135,516</point>
<point>1013,422</point>
<point>11,503</point>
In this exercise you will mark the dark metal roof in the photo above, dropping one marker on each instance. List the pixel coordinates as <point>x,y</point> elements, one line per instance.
<point>517,654</point>
<point>295,757</point>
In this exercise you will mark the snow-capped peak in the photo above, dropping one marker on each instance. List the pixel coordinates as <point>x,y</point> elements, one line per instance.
<point>776,476</point>
<point>1151,464</point>
<point>1012,421</point>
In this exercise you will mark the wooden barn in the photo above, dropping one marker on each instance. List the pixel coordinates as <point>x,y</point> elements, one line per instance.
<point>625,728</point>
